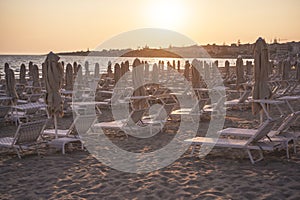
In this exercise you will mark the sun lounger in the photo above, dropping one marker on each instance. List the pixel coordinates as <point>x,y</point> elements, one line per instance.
<point>80,125</point>
<point>26,136</point>
<point>254,142</point>
<point>128,124</point>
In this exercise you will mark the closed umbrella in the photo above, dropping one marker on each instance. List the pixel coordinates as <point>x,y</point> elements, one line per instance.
<point>35,79</point>
<point>227,66</point>
<point>117,73</point>
<point>239,71</point>
<point>97,71</point>
<point>298,70</point>
<point>155,72</point>
<point>22,74</point>
<point>196,83</point>
<point>261,63</point>
<point>286,67</point>
<point>146,69</point>
<point>79,78</point>
<point>87,71</point>
<point>187,70</point>
<point>69,77</point>
<point>53,81</point>
<point>138,84</point>
<point>11,84</point>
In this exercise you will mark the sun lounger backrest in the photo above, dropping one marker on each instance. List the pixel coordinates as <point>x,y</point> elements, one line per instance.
<point>288,121</point>
<point>4,111</point>
<point>262,131</point>
<point>244,96</point>
<point>165,112</point>
<point>135,116</point>
<point>29,132</point>
<point>84,122</point>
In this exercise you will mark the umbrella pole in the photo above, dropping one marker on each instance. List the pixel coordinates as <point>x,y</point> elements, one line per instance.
<point>55,126</point>
<point>261,116</point>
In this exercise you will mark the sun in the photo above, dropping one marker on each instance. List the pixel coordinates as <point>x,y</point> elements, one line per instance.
<point>168,14</point>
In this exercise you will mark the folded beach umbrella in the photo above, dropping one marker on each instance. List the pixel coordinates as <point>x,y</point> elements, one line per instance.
<point>298,70</point>
<point>186,72</point>
<point>206,71</point>
<point>155,73</point>
<point>196,82</point>
<point>286,68</point>
<point>239,69</point>
<point>146,69</point>
<point>117,73</point>
<point>22,74</point>
<point>69,77</point>
<point>261,89</point>
<point>30,70</point>
<point>86,66</point>
<point>35,76</point>
<point>75,69</point>
<point>53,81</point>
<point>227,73</point>
<point>79,78</point>
<point>97,71</point>
<point>11,84</point>
<point>138,84</point>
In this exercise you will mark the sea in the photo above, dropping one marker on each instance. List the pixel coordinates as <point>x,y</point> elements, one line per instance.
<point>15,61</point>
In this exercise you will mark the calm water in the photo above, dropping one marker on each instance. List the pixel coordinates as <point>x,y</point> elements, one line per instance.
<point>15,61</point>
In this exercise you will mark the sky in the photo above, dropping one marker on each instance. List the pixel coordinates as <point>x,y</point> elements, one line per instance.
<point>40,26</point>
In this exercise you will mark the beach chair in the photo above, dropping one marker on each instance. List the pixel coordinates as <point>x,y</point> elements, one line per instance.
<point>160,118</point>
<point>4,111</point>
<point>26,111</point>
<point>26,136</point>
<point>80,125</point>
<point>240,102</point>
<point>194,111</point>
<point>132,122</point>
<point>254,142</point>
<point>281,134</point>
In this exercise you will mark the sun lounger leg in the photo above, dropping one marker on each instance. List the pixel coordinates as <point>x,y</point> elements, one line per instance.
<point>294,143</point>
<point>18,153</point>
<point>193,149</point>
<point>261,156</point>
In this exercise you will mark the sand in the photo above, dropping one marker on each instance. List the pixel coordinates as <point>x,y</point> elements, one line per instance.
<point>222,174</point>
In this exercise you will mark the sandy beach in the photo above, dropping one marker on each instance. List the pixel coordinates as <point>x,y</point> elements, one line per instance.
<point>222,174</point>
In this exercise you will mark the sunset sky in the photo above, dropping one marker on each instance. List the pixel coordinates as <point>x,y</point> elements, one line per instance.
<point>38,26</point>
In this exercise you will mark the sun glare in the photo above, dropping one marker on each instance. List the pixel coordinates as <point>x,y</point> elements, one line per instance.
<point>168,14</point>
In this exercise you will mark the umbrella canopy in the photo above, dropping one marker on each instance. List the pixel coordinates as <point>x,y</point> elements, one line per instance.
<point>97,71</point>
<point>239,69</point>
<point>30,70</point>
<point>35,76</point>
<point>261,63</point>
<point>117,73</point>
<point>75,67</point>
<point>146,69</point>
<point>69,77</point>
<point>195,74</point>
<point>227,73</point>
<point>298,70</point>
<point>286,67</point>
<point>53,82</point>
<point>22,74</point>
<point>79,78</point>
<point>206,71</point>
<point>11,84</point>
<point>187,70</point>
<point>138,84</point>
<point>155,73</point>
<point>87,71</point>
